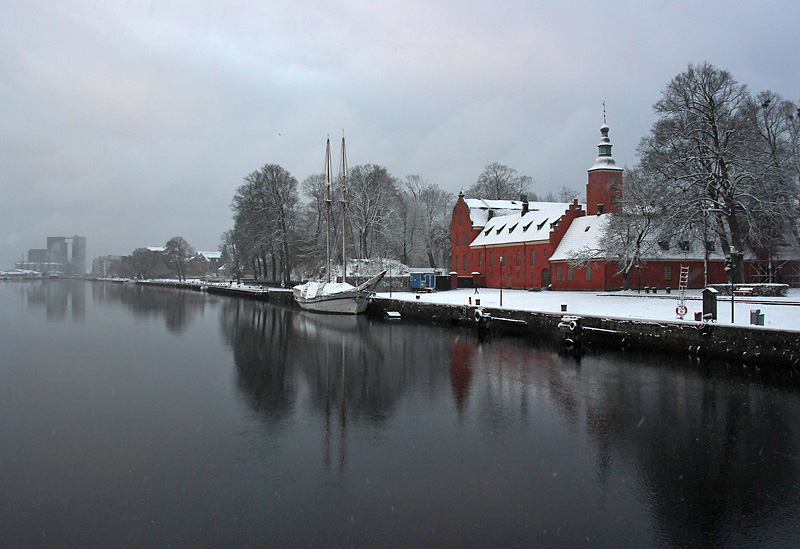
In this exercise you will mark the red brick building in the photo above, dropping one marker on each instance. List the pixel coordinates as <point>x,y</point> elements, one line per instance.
<point>527,245</point>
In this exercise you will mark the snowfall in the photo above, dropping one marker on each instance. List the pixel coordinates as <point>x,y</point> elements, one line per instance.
<point>781,313</point>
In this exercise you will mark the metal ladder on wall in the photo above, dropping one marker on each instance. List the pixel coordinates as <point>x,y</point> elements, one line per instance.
<point>684,282</point>
<point>684,279</point>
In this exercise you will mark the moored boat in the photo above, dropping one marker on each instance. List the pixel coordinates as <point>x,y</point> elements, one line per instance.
<point>336,297</point>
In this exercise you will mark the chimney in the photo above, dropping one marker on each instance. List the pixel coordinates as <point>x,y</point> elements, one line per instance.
<point>599,209</point>
<point>524,198</point>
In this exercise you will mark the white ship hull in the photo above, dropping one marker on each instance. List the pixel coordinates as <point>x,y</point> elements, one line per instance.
<point>335,298</point>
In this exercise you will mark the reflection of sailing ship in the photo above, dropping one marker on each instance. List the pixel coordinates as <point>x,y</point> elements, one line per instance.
<point>336,297</point>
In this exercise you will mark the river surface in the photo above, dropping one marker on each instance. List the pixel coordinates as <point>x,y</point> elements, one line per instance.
<point>135,416</point>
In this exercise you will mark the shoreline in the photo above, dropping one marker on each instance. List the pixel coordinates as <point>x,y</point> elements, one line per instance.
<point>573,328</point>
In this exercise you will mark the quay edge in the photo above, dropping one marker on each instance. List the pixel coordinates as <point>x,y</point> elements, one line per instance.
<point>756,345</point>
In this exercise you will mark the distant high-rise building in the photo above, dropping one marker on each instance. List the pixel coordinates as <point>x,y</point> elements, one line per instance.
<point>56,258</point>
<point>59,248</point>
<point>79,255</point>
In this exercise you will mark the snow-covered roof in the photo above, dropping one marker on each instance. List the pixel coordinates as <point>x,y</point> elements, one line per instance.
<point>479,209</point>
<point>19,272</point>
<point>211,255</point>
<point>605,163</point>
<point>587,233</point>
<point>584,233</point>
<point>515,228</point>
<point>157,248</point>
<point>604,160</point>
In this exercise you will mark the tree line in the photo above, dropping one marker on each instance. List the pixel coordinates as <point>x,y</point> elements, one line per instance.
<point>169,260</point>
<point>720,165</point>
<point>276,236</point>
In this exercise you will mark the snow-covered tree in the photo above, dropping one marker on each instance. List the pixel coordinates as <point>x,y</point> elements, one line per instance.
<point>372,197</point>
<point>178,252</point>
<point>630,236</point>
<point>708,148</point>
<point>499,182</point>
<point>432,208</point>
<point>265,215</point>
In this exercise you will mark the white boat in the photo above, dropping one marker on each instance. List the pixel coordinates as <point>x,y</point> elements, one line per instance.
<point>336,297</point>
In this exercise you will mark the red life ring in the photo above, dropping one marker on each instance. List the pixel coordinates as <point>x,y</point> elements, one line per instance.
<point>681,310</point>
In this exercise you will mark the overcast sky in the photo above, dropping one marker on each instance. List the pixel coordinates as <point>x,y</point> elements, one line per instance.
<point>130,122</point>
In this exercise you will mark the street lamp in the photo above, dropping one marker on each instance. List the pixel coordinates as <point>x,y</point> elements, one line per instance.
<point>729,272</point>
<point>502,263</point>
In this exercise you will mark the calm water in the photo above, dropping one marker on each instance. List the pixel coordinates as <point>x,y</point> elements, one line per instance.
<point>146,417</point>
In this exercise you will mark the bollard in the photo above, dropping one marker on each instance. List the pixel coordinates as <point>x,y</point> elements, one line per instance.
<point>477,301</point>
<point>470,300</point>
<point>563,307</point>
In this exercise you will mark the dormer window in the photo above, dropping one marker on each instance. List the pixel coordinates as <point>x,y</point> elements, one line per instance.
<point>710,245</point>
<point>528,224</point>
<point>503,226</point>
<point>586,230</point>
<point>663,244</point>
<point>511,229</point>
<point>684,245</point>
<point>540,225</point>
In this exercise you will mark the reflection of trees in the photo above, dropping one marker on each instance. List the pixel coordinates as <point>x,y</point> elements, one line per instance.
<point>710,451</point>
<point>712,454</point>
<point>353,369</point>
<point>259,336</point>
<point>178,308</point>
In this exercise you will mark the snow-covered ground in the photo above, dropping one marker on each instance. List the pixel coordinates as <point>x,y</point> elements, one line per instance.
<point>779,312</point>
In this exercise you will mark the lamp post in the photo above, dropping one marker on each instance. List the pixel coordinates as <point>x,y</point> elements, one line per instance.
<point>729,272</point>
<point>502,263</point>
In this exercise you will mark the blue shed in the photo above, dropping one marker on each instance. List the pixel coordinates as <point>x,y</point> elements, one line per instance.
<point>423,281</point>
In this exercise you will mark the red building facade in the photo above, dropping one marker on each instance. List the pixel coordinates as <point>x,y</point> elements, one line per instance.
<point>522,245</point>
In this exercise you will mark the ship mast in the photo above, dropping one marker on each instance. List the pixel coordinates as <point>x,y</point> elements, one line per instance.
<point>328,208</point>
<point>344,213</point>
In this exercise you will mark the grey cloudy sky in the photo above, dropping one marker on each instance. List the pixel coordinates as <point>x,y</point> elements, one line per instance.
<point>130,122</point>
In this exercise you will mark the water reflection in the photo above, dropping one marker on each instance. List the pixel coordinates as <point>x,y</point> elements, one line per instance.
<point>346,368</point>
<point>706,453</point>
<point>178,308</point>
<point>380,431</point>
<point>60,298</point>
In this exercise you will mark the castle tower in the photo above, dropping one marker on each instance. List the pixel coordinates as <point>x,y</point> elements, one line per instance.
<point>605,179</point>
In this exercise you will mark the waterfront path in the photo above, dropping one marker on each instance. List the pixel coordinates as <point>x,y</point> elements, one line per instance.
<point>781,313</point>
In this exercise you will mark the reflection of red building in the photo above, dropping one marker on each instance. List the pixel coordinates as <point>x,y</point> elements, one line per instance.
<point>461,352</point>
<point>522,244</point>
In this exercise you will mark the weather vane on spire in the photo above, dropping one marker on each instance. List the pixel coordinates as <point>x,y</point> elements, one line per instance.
<point>604,112</point>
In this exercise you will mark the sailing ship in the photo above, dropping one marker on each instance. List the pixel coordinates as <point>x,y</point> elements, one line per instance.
<point>336,297</point>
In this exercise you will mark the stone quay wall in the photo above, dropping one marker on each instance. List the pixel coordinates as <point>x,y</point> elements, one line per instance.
<point>750,345</point>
